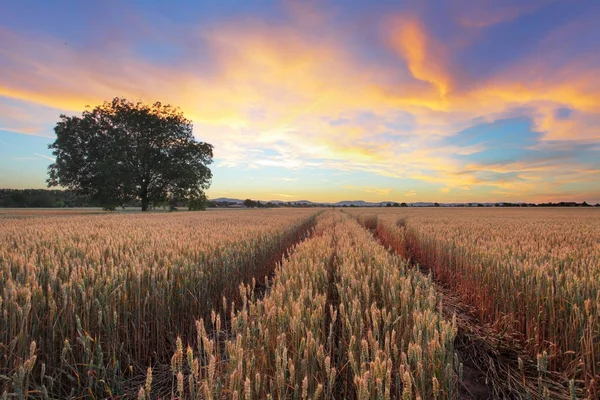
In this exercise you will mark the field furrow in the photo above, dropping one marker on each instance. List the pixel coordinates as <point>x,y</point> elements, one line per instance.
<point>343,319</point>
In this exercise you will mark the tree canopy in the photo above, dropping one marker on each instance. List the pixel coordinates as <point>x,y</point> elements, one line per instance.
<point>120,151</point>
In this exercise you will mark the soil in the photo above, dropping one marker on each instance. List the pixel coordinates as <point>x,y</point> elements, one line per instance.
<point>473,385</point>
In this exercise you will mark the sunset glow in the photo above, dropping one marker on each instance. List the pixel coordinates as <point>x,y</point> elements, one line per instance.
<point>326,100</point>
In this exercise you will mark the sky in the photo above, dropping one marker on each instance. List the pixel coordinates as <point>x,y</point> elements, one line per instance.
<point>448,101</point>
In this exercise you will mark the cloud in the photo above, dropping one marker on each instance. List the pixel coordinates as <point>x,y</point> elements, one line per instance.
<point>316,99</point>
<point>424,56</point>
<point>45,157</point>
<point>281,195</point>
<point>36,157</point>
<point>482,14</point>
<point>26,118</point>
<point>411,193</point>
<point>284,179</point>
<point>377,190</point>
<point>369,189</point>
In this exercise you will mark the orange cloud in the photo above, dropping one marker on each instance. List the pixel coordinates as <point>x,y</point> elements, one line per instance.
<point>15,118</point>
<point>279,87</point>
<point>377,190</point>
<point>424,55</point>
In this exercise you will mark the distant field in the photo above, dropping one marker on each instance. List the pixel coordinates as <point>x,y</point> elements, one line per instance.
<point>88,303</point>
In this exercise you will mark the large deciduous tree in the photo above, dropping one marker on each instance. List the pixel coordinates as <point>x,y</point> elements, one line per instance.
<point>121,151</point>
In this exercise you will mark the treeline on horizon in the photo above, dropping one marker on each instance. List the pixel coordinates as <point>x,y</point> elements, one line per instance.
<point>43,198</point>
<point>55,198</point>
<point>47,198</point>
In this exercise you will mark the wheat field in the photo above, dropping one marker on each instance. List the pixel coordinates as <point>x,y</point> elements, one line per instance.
<point>97,296</point>
<point>530,273</point>
<point>291,303</point>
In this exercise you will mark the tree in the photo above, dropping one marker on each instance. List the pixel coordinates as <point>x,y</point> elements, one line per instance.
<point>198,203</point>
<point>249,203</point>
<point>121,151</point>
<point>19,199</point>
<point>44,200</point>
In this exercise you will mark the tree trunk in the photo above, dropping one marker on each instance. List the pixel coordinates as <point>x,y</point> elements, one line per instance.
<point>145,203</point>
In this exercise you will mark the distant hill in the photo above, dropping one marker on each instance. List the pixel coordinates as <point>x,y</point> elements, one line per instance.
<point>346,203</point>
<point>363,203</point>
<point>356,203</point>
<point>423,204</point>
<point>227,200</point>
<point>240,201</point>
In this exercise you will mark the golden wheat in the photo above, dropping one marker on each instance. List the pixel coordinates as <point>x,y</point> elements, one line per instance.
<point>534,273</point>
<point>102,295</point>
<point>343,319</point>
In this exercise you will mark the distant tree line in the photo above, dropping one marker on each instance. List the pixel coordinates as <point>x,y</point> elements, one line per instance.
<point>43,198</point>
<point>48,198</point>
<point>566,204</point>
<point>561,204</point>
<point>258,204</point>
<point>262,204</point>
